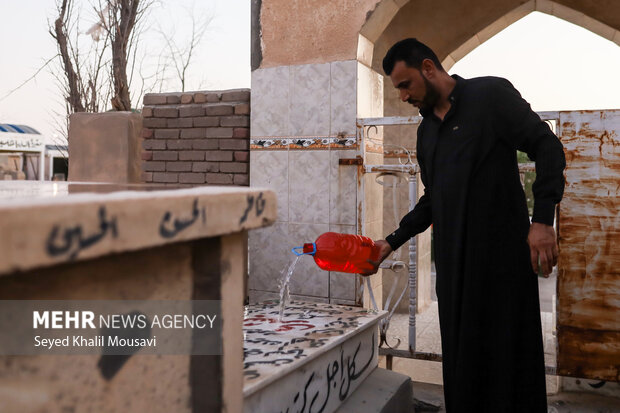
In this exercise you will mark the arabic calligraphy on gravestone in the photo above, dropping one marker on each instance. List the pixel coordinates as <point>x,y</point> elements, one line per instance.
<point>72,239</point>
<point>305,327</point>
<point>169,228</point>
<point>307,330</point>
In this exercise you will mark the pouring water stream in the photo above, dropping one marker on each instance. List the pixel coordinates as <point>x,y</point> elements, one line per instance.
<point>284,290</point>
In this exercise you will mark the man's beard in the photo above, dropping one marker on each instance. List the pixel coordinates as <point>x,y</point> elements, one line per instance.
<point>430,98</point>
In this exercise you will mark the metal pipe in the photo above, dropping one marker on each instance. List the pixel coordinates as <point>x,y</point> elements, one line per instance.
<point>396,266</point>
<point>415,120</point>
<point>413,269</point>
<point>411,171</point>
<point>406,168</point>
<point>390,120</point>
<point>407,354</point>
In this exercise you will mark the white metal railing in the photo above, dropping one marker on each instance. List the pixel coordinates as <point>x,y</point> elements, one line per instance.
<point>411,169</point>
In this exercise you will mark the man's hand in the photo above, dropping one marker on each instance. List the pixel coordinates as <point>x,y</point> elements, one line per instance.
<point>384,251</point>
<point>543,248</point>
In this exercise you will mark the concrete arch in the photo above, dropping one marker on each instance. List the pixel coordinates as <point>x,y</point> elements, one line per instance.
<point>392,20</point>
<point>454,29</point>
<point>544,6</point>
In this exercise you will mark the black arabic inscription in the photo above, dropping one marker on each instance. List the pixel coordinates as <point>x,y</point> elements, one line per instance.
<point>73,240</point>
<point>169,228</point>
<point>349,372</point>
<point>259,206</point>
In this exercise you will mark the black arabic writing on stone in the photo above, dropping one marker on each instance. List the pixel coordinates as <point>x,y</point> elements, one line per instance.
<point>347,368</point>
<point>168,229</point>
<point>73,240</point>
<point>259,207</point>
<point>276,362</point>
<point>255,315</point>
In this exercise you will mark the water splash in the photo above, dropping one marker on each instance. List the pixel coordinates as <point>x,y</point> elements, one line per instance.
<point>284,290</point>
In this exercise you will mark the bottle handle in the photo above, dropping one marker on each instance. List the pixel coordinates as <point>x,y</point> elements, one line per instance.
<point>294,250</point>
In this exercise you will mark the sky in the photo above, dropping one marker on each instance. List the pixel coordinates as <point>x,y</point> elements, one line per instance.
<point>222,60</point>
<point>556,65</point>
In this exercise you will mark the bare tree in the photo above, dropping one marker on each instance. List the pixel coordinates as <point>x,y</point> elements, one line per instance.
<point>60,34</point>
<point>181,55</point>
<point>108,69</point>
<point>119,19</point>
<point>83,81</point>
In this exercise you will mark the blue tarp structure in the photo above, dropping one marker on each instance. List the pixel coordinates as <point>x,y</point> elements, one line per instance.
<point>7,127</point>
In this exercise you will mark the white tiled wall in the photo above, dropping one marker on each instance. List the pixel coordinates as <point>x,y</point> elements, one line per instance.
<point>309,186</point>
<point>270,169</point>
<point>343,93</point>
<point>270,102</point>
<point>309,100</point>
<point>305,100</point>
<point>315,193</point>
<point>270,254</point>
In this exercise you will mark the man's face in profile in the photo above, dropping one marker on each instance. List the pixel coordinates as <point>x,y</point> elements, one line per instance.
<point>414,88</point>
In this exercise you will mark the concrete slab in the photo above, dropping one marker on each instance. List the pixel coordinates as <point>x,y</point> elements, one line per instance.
<point>383,391</point>
<point>427,397</point>
<point>51,223</point>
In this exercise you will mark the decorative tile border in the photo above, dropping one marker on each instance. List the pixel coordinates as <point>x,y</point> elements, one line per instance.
<point>303,142</point>
<point>308,143</point>
<point>343,142</point>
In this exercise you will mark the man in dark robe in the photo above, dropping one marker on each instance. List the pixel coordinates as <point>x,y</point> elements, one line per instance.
<point>487,254</point>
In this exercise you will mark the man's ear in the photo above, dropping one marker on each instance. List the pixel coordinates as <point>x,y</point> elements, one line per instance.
<point>428,68</point>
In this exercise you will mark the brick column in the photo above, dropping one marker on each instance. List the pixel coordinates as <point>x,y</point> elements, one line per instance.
<point>196,138</point>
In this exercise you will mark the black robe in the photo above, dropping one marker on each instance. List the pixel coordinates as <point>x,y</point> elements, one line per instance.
<point>487,292</point>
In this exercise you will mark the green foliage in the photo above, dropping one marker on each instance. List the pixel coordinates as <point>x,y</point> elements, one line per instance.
<point>529,195</point>
<point>527,182</point>
<point>522,157</point>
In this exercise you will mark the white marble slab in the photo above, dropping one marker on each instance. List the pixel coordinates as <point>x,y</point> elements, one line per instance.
<point>311,361</point>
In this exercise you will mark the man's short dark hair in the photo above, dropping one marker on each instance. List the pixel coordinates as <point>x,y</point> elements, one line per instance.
<point>412,52</point>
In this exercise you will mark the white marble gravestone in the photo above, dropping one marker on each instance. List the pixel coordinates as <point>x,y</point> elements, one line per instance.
<point>311,361</point>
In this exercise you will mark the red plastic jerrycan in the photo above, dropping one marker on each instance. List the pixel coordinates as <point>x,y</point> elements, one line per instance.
<point>341,252</point>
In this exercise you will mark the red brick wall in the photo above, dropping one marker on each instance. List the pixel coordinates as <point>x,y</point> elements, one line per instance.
<point>197,138</point>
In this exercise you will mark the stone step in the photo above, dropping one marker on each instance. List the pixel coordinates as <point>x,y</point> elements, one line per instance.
<point>311,361</point>
<point>383,391</point>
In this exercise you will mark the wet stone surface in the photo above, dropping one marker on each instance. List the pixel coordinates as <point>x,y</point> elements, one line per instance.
<point>272,349</point>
